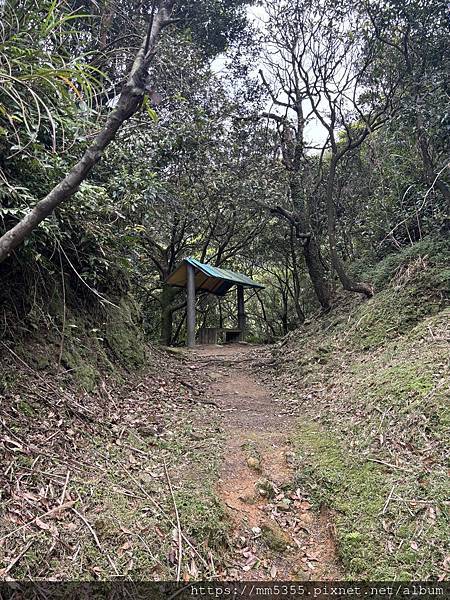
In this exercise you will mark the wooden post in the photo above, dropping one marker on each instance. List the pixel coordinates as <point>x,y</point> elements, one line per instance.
<point>190,311</point>
<point>241,310</point>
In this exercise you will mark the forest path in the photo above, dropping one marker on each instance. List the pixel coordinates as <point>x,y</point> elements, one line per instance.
<point>276,534</point>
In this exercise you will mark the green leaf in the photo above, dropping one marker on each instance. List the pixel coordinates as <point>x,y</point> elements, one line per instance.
<point>150,111</point>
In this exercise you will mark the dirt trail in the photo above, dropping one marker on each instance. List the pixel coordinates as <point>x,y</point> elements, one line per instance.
<point>276,534</point>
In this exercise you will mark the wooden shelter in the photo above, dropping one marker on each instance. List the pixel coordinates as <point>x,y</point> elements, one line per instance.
<point>194,275</point>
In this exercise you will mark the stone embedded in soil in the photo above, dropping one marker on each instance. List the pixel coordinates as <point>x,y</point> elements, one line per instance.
<point>274,537</point>
<point>254,463</point>
<point>284,504</point>
<point>306,518</point>
<point>301,575</point>
<point>290,458</point>
<point>146,478</point>
<point>265,488</point>
<point>247,499</point>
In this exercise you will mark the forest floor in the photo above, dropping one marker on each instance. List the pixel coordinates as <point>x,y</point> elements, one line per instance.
<point>308,460</point>
<point>324,456</point>
<point>92,483</point>
<point>276,535</point>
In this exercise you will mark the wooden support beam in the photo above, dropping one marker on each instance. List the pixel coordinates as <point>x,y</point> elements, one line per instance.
<point>190,311</point>
<point>241,310</point>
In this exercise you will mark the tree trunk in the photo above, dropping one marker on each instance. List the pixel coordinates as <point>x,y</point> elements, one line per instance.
<point>428,164</point>
<point>167,296</point>
<point>296,279</point>
<point>264,314</point>
<point>347,283</point>
<point>129,101</point>
<point>316,272</point>
<point>220,313</point>
<point>311,250</point>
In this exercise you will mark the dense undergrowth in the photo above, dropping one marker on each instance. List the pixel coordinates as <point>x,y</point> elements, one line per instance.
<point>372,382</point>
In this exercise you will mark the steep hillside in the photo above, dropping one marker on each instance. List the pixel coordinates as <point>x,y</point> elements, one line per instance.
<point>62,326</point>
<point>370,385</point>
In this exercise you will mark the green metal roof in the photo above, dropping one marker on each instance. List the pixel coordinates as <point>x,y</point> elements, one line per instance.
<point>211,279</point>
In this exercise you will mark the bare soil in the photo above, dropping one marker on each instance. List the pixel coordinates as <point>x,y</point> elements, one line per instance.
<point>276,534</point>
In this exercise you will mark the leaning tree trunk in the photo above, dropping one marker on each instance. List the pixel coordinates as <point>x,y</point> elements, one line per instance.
<point>346,281</point>
<point>310,247</point>
<point>129,102</point>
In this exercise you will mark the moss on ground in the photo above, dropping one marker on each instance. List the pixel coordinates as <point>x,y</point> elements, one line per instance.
<point>393,312</point>
<point>103,343</point>
<point>374,435</point>
<point>274,537</point>
<point>355,490</point>
<point>380,536</point>
<point>203,515</point>
<point>80,367</point>
<point>434,248</point>
<point>123,337</point>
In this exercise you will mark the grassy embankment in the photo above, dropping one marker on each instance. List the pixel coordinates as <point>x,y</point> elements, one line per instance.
<point>373,387</point>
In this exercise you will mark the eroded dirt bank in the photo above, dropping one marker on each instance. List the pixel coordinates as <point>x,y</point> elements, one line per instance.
<point>276,535</point>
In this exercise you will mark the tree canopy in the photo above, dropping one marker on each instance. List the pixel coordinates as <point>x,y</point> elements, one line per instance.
<point>297,147</point>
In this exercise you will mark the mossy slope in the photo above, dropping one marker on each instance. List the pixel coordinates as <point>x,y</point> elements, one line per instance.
<point>82,338</point>
<point>373,382</point>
